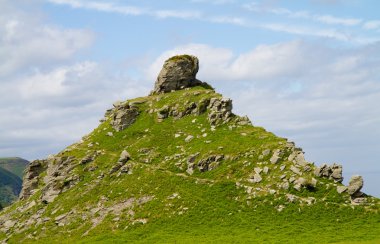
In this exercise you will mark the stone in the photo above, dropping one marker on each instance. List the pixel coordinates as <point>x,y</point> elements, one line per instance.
<point>355,184</point>
<point>178,72</point>
<point>123,117</point>
<point>256,178</point>
<point>337,171</point>
<point>358,200</point>
<point>257,170</point>
<point>189,138</point>
<point>209,163</point>
<point>266,170</point>
<point>124,156</point>
<point>276,157</point>
<point>295,170</point>
<point>341,189</point>
<point>163,112</point>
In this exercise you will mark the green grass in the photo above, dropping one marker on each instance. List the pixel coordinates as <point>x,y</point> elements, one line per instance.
<point>206,207</point>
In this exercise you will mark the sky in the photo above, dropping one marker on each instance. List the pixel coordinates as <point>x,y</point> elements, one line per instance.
<point>305,70</point>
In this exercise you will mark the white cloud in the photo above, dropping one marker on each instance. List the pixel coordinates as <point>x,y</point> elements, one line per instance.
<point>25,44</point>
<point>325,19</point>
<point>373,24</point>
<point>328,19</point>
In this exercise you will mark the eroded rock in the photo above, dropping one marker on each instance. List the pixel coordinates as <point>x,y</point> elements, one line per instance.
<point>177,73</point>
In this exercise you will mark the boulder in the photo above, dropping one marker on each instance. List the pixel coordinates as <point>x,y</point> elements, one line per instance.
<point>355,185</point>
<point>178,72</point>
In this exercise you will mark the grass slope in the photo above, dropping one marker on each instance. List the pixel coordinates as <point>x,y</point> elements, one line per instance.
<point>15,165</point>
<point>160,203</point>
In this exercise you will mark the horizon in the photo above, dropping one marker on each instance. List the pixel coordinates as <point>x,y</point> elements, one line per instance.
<point>304,70</point>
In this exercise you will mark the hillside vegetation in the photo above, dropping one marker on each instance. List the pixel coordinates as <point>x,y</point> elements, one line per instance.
<point>14,165</point>
<point>10,187</point>
<point>180,167</point>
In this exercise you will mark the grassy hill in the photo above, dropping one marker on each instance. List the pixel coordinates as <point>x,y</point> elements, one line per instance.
<point>14,165</point>
<point>188,178</point>
<point>179,167</point>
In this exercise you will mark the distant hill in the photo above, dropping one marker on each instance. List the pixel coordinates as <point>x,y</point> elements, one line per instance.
<point>10,187</point>
<point>14,165</point>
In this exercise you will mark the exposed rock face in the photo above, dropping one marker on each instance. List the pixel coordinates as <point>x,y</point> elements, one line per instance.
<point>355,185</point>
<point>220,111</point>
<point>178,73</point>
<point>32,178</point>
<point>56,180</point>
<point>123,115</point>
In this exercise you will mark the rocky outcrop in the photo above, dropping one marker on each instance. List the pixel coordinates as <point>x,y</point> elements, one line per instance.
<point>32,178</point>
<point>51,175</point>
<point>333,172</point>
<point>220,111</point>
<point>123,115</point>
<point>178,72</point>
<point>355,185</point>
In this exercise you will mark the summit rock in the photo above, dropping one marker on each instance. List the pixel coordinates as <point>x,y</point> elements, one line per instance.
<point>178,72</point>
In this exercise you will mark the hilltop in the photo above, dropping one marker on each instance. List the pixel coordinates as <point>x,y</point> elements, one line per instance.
<point>14,165</point>
<point>180,166</point>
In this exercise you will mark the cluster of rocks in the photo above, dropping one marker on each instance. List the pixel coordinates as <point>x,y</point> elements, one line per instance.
<point>333,172</point>
<point>177,73</point>
<point>220,111</point>
<point>121,165</point>
<point>177,112</point>
<point>57,177</point>
<point>205,164</point>
<point>122,115</point>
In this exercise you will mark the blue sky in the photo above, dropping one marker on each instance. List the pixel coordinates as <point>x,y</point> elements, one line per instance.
<point>305,70</point>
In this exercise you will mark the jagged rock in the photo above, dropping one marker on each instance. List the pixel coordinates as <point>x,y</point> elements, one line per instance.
<point>209,163</point>
<point>333,172</point>
<point>258,170</point>
<point>88,158</point>
<point>32,178</point>
<point>177,73</point>
<point>295,170</point>
<point>163,113</point>
<point>124,156</point>
<point>336,174</point>
<point>341,189</point>
<point>58,177</point>
<point>255,178</point>
<point>122,116</point>
<point>191,164</point>
<point>220,111</point>
<point>355,185</point>
<point>243,121</point>
<point>276,156</point>
<point>358,200</point>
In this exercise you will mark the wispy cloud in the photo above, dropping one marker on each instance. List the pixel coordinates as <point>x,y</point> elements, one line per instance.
<point>325,19</point>
<point>305,30</point>
<point>128,10</point>
<point>372,24</point>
